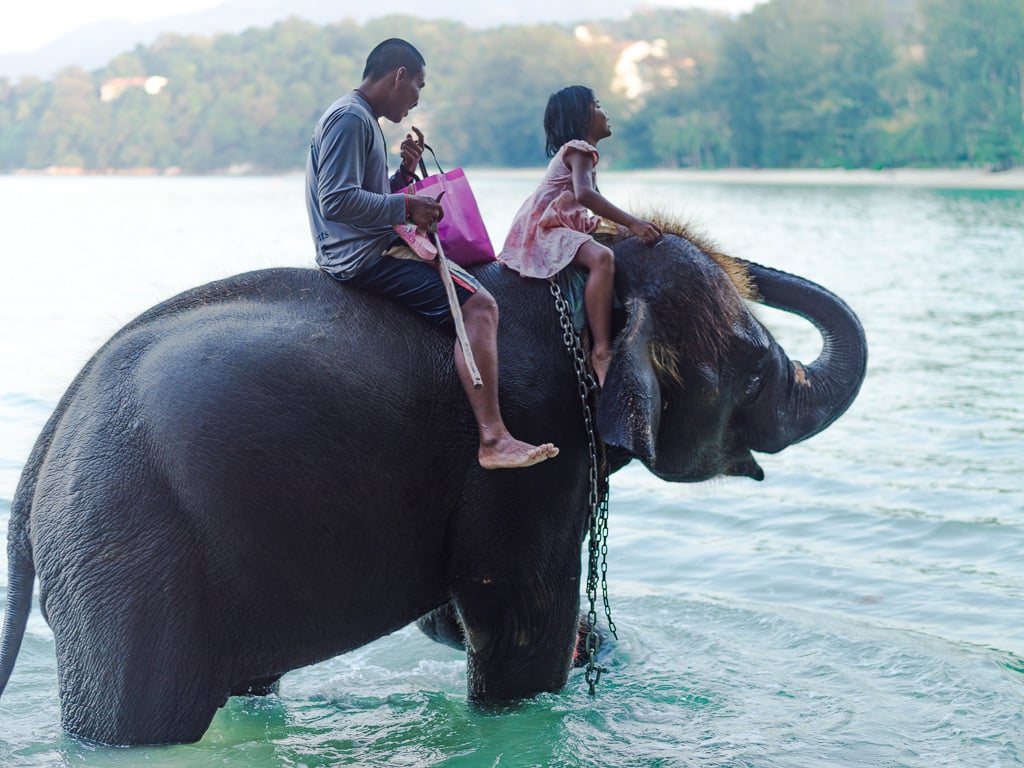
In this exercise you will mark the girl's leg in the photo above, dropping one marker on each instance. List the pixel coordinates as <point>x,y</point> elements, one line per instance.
<point>599,261</point>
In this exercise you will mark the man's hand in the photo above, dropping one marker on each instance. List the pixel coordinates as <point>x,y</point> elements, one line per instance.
<point>424,211</point>
<point>412,151</point>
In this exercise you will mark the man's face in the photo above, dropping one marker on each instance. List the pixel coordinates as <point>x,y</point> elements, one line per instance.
<point>405,93</point>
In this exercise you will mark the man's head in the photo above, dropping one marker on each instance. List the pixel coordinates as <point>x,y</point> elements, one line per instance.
<point>393,77</point>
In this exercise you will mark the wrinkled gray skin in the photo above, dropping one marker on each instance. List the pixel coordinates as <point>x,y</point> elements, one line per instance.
<point>270,470</point>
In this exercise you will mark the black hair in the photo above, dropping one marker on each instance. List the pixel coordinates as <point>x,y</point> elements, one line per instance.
<point>389,56</point>
<point>568,116</point>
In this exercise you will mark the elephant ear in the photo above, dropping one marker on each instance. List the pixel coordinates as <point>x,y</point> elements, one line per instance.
<point>630,405</point>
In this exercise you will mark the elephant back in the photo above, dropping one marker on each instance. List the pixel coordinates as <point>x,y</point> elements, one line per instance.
<point>302,338</point>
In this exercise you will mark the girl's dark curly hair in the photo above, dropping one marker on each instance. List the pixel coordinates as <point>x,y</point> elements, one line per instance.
<point>568,116</point>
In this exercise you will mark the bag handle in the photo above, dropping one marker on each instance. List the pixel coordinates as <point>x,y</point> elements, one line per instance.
<point>423,166</point>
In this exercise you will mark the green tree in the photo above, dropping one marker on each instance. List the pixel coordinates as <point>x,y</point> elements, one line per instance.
<point>31,99</point>
<point>801,81</point>
<point>973,70</point>
<point>14,132</point>
<point>736,85</point>
<point>848,83</point>
<point>70,128</point>
<point>491,110</point>
<point>673,121</point>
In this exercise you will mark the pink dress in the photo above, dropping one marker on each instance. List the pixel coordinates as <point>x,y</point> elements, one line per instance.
<point>550,226</point>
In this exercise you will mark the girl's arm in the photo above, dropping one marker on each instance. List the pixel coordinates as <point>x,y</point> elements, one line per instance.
<point>582,165</point>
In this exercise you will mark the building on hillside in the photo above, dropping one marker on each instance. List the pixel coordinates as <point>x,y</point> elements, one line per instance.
<point>113,88</point>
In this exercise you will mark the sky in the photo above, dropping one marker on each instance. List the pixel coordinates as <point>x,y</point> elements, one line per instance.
<point>34,23</point>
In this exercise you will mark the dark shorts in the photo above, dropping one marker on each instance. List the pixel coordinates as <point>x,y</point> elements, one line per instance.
<point>416,285</point>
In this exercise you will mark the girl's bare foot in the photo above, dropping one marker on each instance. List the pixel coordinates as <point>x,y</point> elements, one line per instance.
<point>510,453</point>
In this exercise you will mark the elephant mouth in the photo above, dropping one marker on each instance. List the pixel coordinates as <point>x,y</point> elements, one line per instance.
<point>739,463</point>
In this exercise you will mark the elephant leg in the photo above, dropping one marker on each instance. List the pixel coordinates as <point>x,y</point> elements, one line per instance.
<point>138,658</point>
<point>124,690</point>
<point>442,625</point>
<point>520,639</point>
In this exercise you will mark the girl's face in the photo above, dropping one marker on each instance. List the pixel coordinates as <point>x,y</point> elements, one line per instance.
<point>600,127</point>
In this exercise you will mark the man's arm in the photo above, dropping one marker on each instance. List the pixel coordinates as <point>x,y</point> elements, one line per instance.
<point>340,174</point>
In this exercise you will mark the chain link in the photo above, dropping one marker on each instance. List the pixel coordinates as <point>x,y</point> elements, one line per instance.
<point>597,500</point>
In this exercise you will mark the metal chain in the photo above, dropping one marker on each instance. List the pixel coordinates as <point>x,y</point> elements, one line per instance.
<point>597,500</point>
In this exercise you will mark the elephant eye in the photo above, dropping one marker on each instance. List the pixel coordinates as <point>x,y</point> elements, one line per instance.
<point>753,383</point>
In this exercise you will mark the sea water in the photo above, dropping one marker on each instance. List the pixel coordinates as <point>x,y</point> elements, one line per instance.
<point>863,606</point>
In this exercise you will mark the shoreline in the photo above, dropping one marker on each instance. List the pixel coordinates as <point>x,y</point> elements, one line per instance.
<point>929,178</point>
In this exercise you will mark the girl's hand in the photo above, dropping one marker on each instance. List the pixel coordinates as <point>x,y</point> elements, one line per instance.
<point>648,233</point>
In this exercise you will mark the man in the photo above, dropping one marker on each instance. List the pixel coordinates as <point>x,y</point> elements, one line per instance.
<point>352,208</point>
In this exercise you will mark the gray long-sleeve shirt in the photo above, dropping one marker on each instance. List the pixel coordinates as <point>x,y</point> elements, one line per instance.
<point>349,197</point>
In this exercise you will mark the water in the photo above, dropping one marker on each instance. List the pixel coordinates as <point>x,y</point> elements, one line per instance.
<point>860,607</point>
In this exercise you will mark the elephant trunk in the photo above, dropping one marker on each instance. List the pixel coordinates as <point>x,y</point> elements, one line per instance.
<point>806,399</point>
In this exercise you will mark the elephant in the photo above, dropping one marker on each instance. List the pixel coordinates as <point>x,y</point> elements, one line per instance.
<point>272,469</point>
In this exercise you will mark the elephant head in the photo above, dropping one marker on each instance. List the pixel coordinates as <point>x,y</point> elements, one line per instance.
<point>697,383</point>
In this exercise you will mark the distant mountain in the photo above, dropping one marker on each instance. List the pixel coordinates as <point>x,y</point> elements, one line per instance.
<point>92,46</point>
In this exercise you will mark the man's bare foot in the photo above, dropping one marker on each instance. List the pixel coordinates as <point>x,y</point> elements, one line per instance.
<point>512,454</point>
<point>600,361</point>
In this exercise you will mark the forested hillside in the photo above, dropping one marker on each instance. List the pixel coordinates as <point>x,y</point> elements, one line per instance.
<point>794,83</point>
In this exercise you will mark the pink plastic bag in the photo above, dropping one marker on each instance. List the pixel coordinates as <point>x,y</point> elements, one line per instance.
<point>462,231</point>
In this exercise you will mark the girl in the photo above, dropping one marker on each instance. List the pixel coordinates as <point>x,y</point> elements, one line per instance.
<point>553,227</point>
